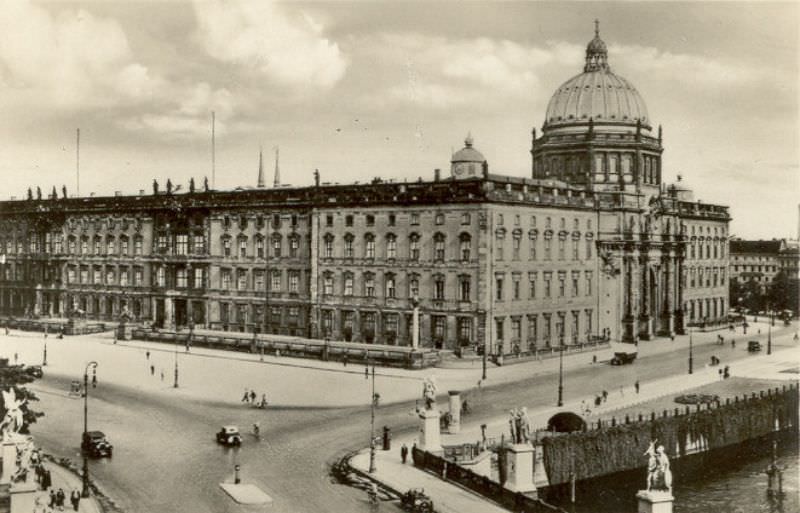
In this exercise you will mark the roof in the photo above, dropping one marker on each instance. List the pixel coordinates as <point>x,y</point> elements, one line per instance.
<point>761,247</point>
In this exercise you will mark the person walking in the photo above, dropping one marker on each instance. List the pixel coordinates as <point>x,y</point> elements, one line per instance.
<point>246,396</point>
<point>52,503</point>
<point>366,372</point>
<point>16,357</point>
<point>404,453</point>
<point>147,355</point>
<point>636,386</point>
<point>75,499</point>
<point>152,370</point>
<point>162,375</point>
<point>47,480</point>
<point>253,396</point>
<point>60,497</point>
<point>344,359</point>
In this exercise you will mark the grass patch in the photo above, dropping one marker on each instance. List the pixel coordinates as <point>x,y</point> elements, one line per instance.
<point>730,387</point>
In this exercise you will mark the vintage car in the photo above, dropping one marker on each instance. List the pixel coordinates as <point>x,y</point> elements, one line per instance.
<point>416,501</point>
<point>229,435</point>
<point>754,346</point>
<point>34,371</point>
<point>96,445</point>
<point>623,358</point>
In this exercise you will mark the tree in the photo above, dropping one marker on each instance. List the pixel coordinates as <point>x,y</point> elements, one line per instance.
<point>13,376</point>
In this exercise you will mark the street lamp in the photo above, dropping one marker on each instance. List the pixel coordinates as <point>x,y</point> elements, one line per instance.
<point>44,353</point>
<point>85,444</point>
<point>691,361</point>
<point>769,338</point>
<point>372,425</point>
<point>561,374</point>
<point>175,385</point>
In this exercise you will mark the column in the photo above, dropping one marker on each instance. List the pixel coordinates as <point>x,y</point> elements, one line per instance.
<point>628,321</point>
<point>679,278</point>
<point>455,411</point>
<point>645,323</point>
<point>415,328</point>
<point>666,315</point>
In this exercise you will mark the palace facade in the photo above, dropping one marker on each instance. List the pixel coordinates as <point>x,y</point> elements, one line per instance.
<point>594,244</point>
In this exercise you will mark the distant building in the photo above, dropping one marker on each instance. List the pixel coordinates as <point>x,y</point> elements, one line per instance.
<point>757,260</point>
<point>594,245</point>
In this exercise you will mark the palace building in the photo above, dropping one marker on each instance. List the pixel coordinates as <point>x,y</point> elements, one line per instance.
<point>592,245</point>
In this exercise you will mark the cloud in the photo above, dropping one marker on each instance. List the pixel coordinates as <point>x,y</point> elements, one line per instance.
<point>266,39</point>
<point>72,59</point>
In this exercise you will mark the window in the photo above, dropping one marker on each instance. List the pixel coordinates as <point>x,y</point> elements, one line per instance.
<point>575,327</point>
<point>226,246</point>
<point>348,220</point>
<point>465,218</point>
<point>438,247</point>
<point>532,236</point>
<point>137,245</point>
<point>84,274</point>
<point>241,279</point>
<point>531,285</point>
<point>181,244</point>
<point>499,240</point>
<point>464,329</point>
<point>391,246</point>
<point>110,247</point>
<point>516,328</point>
<point>369,248</point>
<point>562,279</point>
<point>589,244</point>
<point>294,281</point>
<point>466,243</point>
<point>162,244</point>
<point>123,276</point>
<point>161,277</point>
<point>438,287</point>
<point>532,331</point>
<point>499,288</point>
<point>390,286</point>
<point>370,220</point>
<point>242,247</point>
<point>369,285</point>
<point>199,244</point>
<point>547,288</point>
<point>327,284</point>
<point>276,245</point>
<point>547,246</point>
<point>499,219</point>
<point>259,247</point>
<point>498,324</point>
<point>198,278</point>
<point>440,218</point>
<point>225,279</point>
<point>588,283</point>
<point>575,285</point>
<point>275,282</point>
<point>70,246</point>
<point>348,284</point>
<point>413,286</point>
<point>392,221</point>
<point>588,323</point>
<point>561,247</point>
<point>560,328</point>
<point>516,220</point>
<point>517,239</point>
<point>123,245</point>
<point>294,246</point>
<point>413,247</point>
<point>439,323</point>
<point>327,248</point>
<point>414,218</point>
<point>98,275</point>
<point>463,288</point>
<point>138,276</point>
<point>181,280</point>
<point>328,220</point>
<point>258,280</point>
<point>575,244</point>
<point>348,245</point>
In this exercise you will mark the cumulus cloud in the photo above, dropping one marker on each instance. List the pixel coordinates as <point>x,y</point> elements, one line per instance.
<point>263,37</point>
<point>73,58</point>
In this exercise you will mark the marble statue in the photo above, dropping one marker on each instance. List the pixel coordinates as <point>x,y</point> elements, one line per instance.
<point>12,422</point>
<point>520,425</point>
<point>429,393</point>
<point>659,475</point>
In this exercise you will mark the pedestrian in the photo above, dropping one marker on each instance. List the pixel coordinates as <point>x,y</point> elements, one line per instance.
<point>404,453</point>
<point>246,396</point>
<point>672,337</point>
<point>594,358</point>
<point>52,503</point>
<point>344,359</point>
<point>727,373</point>
<point>75,499</point>
<point>605,396</point>
<point>60,498</point>
<point>162,375</point>
<point>720,375</point>
<point>796,337</point>
<point>147,354</point>
<point>636,385</point>
<point>263,400</point>
<point>733,343</point>
<point>366,372</point>
<point>253,396</point>
<point>152,370</point>
<point>47,480</point>
<point>16,356</point>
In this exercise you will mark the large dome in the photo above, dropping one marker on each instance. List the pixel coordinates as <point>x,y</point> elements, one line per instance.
<point>597,93</point>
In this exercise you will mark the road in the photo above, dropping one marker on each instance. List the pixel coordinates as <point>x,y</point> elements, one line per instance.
<point>166,458</point>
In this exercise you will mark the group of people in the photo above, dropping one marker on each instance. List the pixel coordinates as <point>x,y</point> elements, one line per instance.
<point>250,397</point>
<point>57,498</point>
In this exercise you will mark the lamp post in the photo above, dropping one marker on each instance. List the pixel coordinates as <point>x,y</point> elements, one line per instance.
<point>691,361</point>
<point>175,384</point>
<point>769,336</point>
<point>44,354</point>
<point>85,443</point>
<point>561,374</point>
<point>372,425</point>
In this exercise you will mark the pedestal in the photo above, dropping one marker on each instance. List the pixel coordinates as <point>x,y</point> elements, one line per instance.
<point>455,412</point>
<point>520,468</point>
<point>430,438</point>
<point>9,455</point>
<point>124,332</point>
<point>654,501</point>
<point>23,497</point>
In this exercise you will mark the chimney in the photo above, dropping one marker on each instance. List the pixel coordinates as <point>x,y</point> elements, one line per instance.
<point>437,174</point>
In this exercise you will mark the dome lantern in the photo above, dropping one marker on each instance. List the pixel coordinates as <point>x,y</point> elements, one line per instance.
<point>596,52</point>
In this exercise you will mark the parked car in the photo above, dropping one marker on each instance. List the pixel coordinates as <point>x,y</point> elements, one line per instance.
<point>34,370</point>
<point>416,501</point>
<point>754,346</point>
<point>229,435</point>
<point>96,445</point>
<point>623,358</point>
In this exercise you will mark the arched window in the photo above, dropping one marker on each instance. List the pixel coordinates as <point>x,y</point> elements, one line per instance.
<point>413,286</point>
<point>277,242</point>
<point>259,246</point>
<point>348,245</point>
<point>369,284</point>
<point>438,247</point>
<point>465,241</point>
<point>327,283</point>
<point>391,246</point>
<point>369,246</point>
<point>438,287</point>
<point>124,247</point>
<point>110,248</point>
<point>348,284</point>
<point>327,247</point>
<point>226,245</point>
<point>294,245</point>
<point>413,247</point>
<point>390,286</point>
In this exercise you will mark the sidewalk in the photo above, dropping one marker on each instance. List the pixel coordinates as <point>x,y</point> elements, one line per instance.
<point>450,497</point>
<point>67,481</point>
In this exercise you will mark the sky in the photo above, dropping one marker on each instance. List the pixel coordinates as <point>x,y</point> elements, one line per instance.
<point>388,89</point>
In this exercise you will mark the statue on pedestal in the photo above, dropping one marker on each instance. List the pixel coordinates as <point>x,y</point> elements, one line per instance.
<point>12,422</point>
<point>520,425</point>
<point>659,475</point>
<point>429,393</point>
